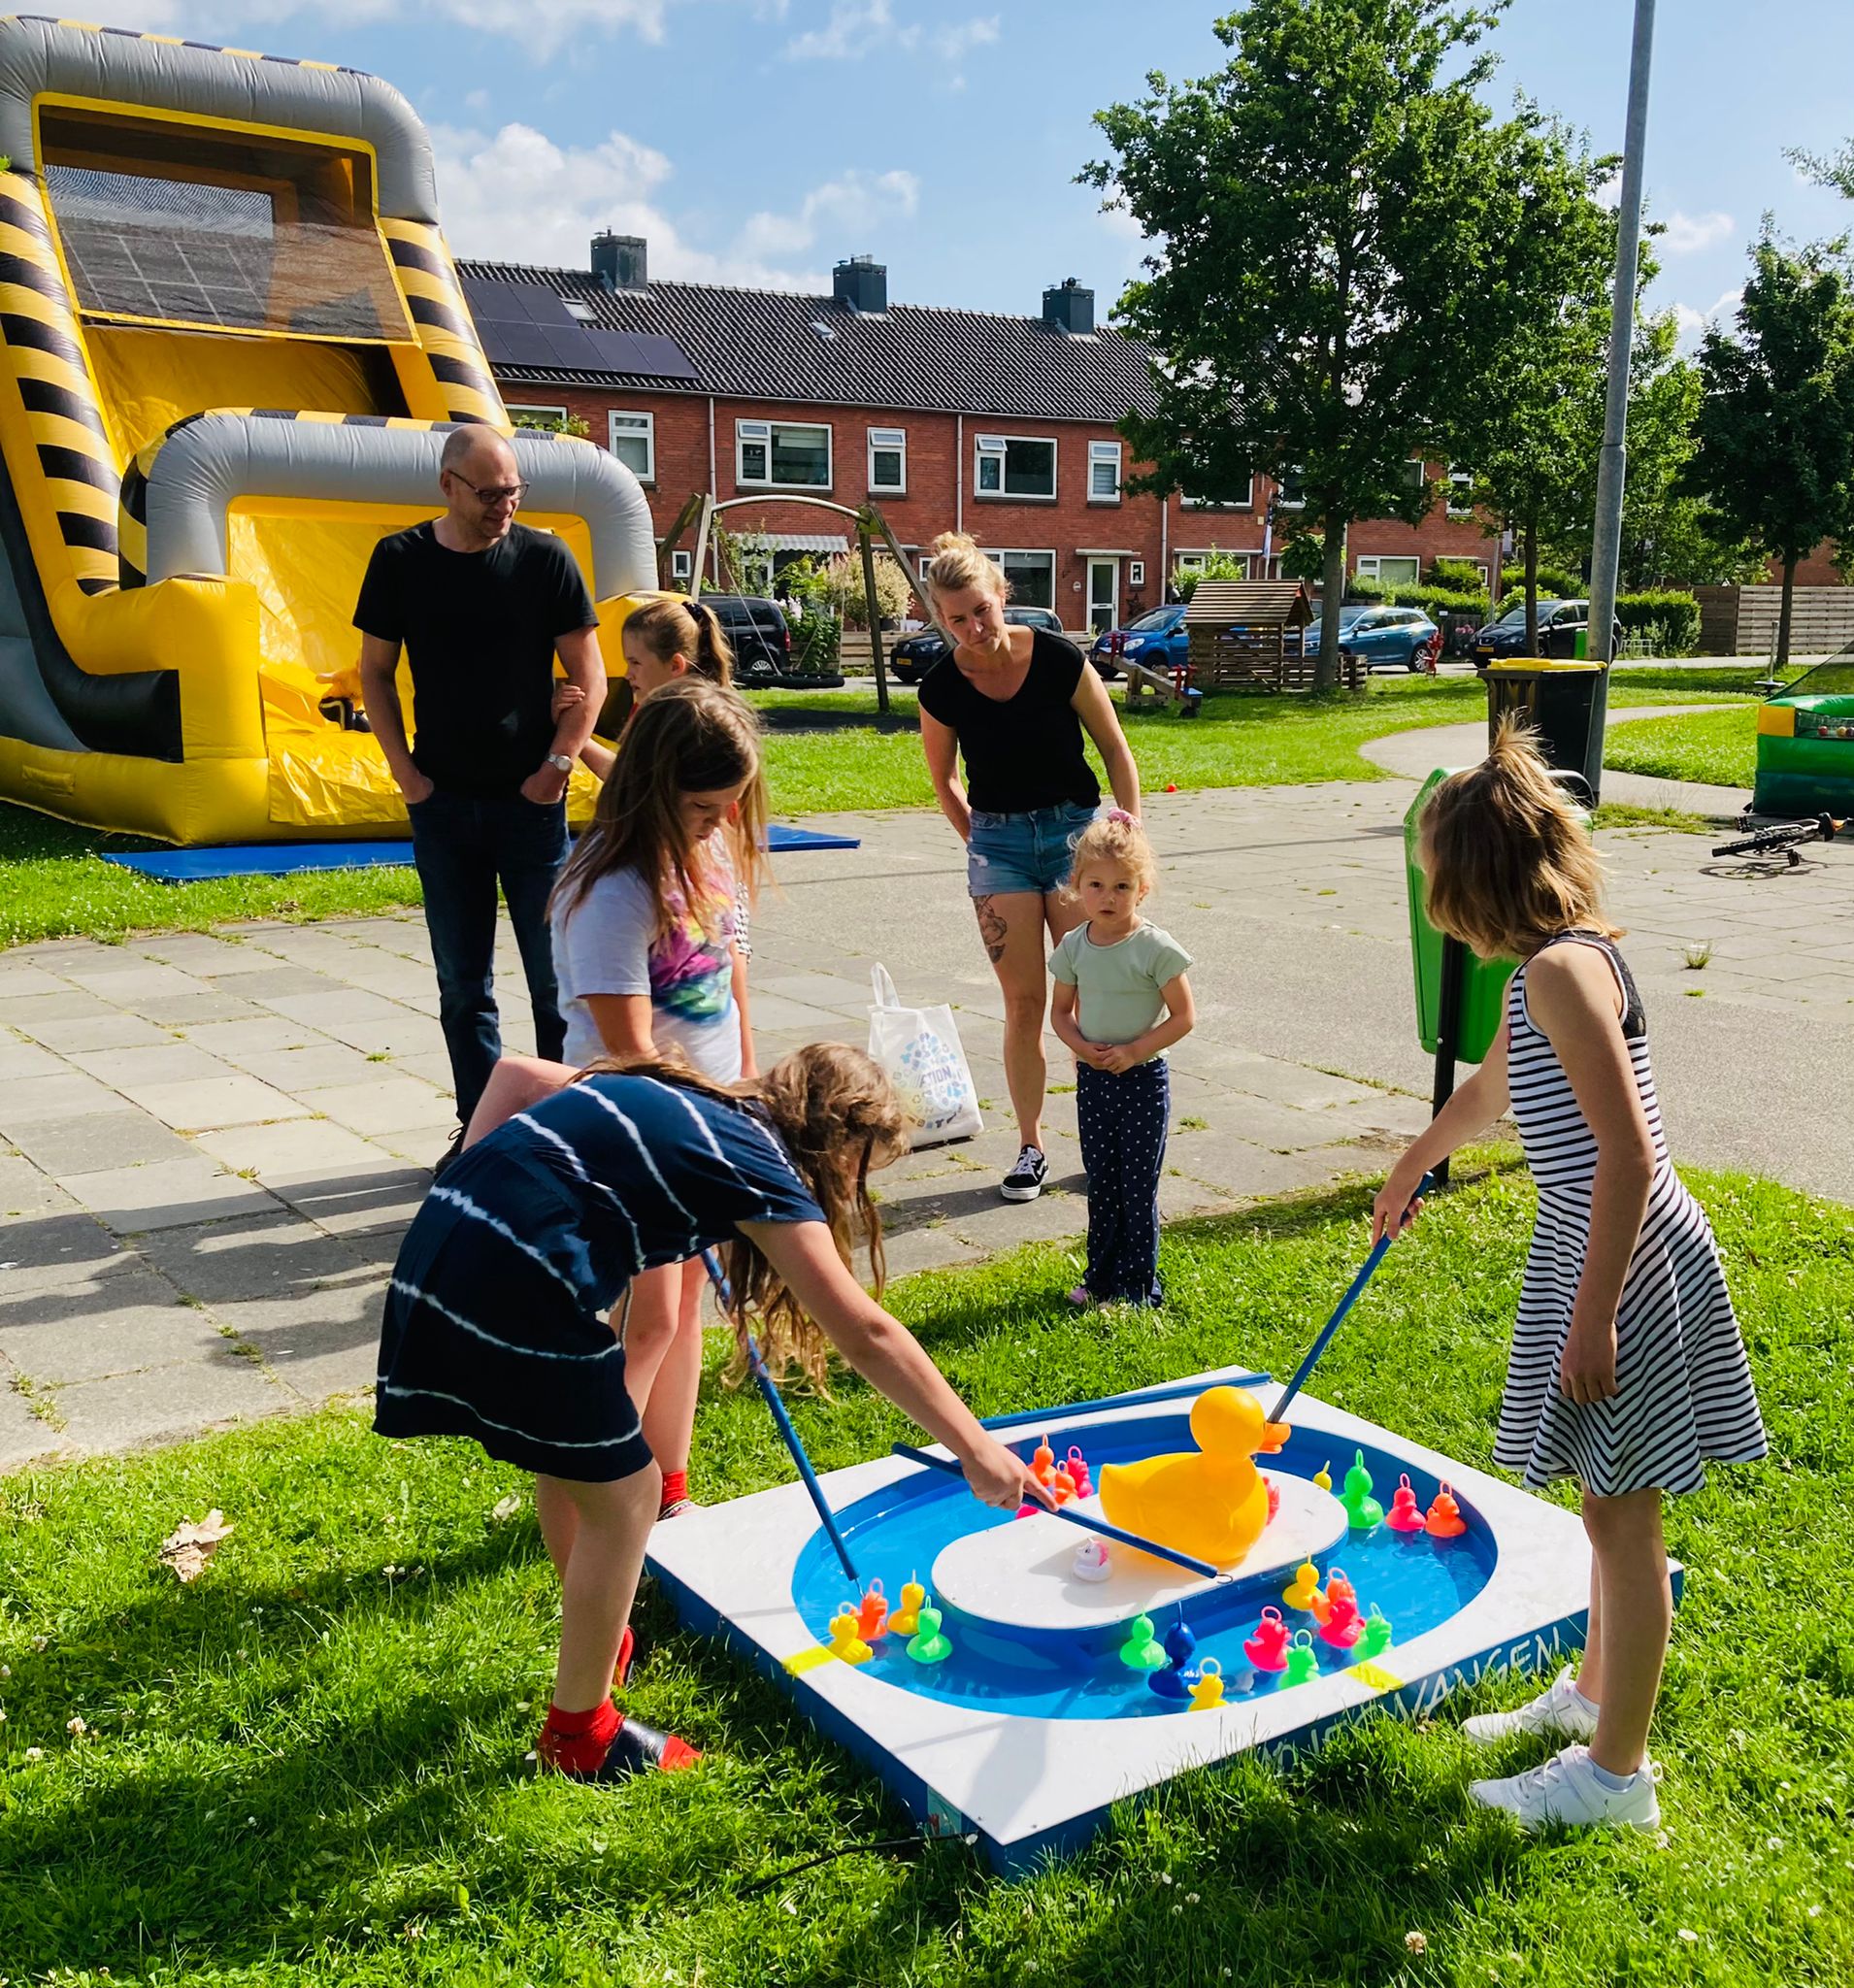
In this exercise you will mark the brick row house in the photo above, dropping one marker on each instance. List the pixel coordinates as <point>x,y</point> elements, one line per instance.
<point>1001,426</point>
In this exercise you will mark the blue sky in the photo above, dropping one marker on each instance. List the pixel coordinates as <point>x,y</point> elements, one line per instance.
<point>758,141</point>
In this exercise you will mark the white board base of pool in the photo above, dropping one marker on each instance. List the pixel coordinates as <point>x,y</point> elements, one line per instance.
<point>1030,1787</point>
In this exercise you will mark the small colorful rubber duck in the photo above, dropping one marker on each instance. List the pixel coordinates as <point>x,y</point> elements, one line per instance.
<point>1362,1511</point>
<point>1323,1476</point>
<point>1404,1516</point>
<point>845,1641</point>
<point>1091,1562</point>
<point>1376,1638</point>
<point>905,1621</point>
<point>1340,1588</point>
<point>1207,1693</point>
<point>927,1646</point>
<point>1076,1465</point>
<point>1444,1520</point>
<point>1176,1679</point>
<point>1042,1462</point>
<point>1062,1486</point>
<point>1343,1625</point>
<point>1266,1648</point>
<point>1141,1652</point>
<point>1305,1593</point>
<point>1303,1659</point>
<point>871,1618</point>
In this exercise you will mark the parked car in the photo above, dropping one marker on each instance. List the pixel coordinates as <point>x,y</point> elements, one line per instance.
<point>913,655</point>
<point>1399,637</point>
<point>756,632</point>
<point>1156,640</point>
<point>1560,623</point>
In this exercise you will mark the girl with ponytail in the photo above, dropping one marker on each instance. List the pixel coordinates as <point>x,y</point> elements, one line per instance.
<point>1627,1372</point>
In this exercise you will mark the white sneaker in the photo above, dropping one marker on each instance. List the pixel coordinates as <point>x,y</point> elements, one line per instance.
<point>1562,1713</point>
<point>1567,1790</point>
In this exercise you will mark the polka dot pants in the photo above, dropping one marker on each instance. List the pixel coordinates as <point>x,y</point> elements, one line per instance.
<point>1122,1118</point>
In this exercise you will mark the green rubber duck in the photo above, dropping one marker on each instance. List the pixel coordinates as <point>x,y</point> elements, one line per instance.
<point>1302,1660</point>
<point>1142,1650</point>
<point>927,1646</point>
<point>1376,1638</point>
<point>1362,1511</point>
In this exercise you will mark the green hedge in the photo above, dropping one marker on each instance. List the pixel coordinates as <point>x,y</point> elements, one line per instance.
<point>1554,584</point>
<point>1671,618</point>
<point>1433,600</point>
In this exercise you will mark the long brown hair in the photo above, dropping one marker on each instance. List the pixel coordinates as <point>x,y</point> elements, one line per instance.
<point>837,1117</point>
<point>692,736</point>
<point>1507,862</point>
<point>668,626</point>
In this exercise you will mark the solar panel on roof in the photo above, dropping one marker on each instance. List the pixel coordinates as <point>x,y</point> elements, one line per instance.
<point>498,303</point>
<point>648,354</point>
<point>514,345</point>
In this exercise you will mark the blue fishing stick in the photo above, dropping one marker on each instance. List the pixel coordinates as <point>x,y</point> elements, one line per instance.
<point>719,1279</point>
<point>1346,1303</point>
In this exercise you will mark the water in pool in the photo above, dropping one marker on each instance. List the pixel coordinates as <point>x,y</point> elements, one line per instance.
<point>898,1533</point>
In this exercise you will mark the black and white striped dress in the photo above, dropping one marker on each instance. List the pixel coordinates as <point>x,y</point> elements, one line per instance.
<point>1684,1395</point>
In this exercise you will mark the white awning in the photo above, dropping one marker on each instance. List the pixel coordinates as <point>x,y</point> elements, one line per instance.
<point>802,542</point>
<point>1108,552</point>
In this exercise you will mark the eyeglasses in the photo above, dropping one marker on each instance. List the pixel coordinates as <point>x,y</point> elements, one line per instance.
<point>498,493</point>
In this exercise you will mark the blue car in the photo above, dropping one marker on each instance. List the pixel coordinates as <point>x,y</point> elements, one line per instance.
<point>1156,641</point>
<point>1396,637</point>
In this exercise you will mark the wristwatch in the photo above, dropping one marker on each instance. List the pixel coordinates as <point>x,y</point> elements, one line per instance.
<point>562,760</point>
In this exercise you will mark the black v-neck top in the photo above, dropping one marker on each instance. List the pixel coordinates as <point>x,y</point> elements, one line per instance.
<point>1026,752</point>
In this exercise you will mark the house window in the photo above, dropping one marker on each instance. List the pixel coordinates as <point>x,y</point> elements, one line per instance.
<point>1014,466</point>
<point>1292,493</point>
<point>1240,500</point>
<point>526,417</point>
<point>1460,488</point>
<point>1413,475</point>
<point>1190,562</point>
<point>681,564</point>
<point>1388,571</point>
<point>794,453</point>
<point>1104,473</point>
<point>926,560</point>
<point>1031,577</point>
<point>634,444</point>
<point>889,462</point>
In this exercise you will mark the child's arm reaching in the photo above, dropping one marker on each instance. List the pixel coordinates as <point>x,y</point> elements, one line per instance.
<point>597,759</point>
<point>1180,1012</point>
<point>1474,1107</point>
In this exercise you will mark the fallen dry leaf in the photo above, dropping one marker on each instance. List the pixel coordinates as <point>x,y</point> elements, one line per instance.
<point>190,1547</point>
<point>505,1507</point>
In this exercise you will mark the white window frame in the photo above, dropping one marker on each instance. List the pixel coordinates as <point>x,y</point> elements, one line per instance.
<point>681,563</point>
<point>996,555</point>
<point>517,409</point>
<point>1463,481</point>
<point>613,415</point>
<point>1100,452</point>
<point>891,442</point>
<point>1247,502</point>
<point>998,448</point>
<point>746,431</point>
<point>1283,501</point>
<point>926,559</point>
<point>1420,464</point>
<point>1371,566</point>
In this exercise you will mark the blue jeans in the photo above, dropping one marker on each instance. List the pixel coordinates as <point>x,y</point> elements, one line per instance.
<point>1030,852</point>
<point>462,848</point>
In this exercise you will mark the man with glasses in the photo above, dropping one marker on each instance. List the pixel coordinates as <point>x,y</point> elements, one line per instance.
<point>481,605</point>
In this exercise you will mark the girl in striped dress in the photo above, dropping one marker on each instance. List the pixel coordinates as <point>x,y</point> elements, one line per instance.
<point>1627,1372</point>
<point>495,1323</point>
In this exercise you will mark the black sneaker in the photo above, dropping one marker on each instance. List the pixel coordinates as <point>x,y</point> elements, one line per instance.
<point>448,1157</point>
<point>1024,1182</point>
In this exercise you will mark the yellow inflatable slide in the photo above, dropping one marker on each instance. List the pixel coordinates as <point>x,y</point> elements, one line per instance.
<point>232,341</point>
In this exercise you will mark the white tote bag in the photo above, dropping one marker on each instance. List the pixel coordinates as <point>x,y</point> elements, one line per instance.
<point>919,1048</point>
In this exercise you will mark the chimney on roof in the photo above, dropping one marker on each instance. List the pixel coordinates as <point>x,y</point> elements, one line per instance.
<point>621,262</point>
<point>1068,307</point>
<point>861,284</point>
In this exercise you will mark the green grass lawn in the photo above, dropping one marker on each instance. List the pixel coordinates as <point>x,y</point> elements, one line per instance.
<point>52,882</point>
<point>1718,747</point>
<point>305,1769</point>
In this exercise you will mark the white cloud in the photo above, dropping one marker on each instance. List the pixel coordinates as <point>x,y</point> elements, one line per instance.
<point>1692,323</point>
<point>1687,234</point>
<point>517,195</point>
<point>860,27</point>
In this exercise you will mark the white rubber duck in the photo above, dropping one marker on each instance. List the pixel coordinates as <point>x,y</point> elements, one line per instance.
<point>1092,1562</point>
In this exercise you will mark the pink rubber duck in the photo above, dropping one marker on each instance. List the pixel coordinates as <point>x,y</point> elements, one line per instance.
<point>1343,1625</point>
<point>1266,1648</point>
<point>1406,1516</point>
<point>1077,1466</point>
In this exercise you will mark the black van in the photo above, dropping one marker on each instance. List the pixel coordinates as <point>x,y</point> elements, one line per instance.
<point>757,633</point>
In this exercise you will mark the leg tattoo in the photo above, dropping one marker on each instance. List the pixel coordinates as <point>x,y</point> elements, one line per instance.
<point>991,928</point>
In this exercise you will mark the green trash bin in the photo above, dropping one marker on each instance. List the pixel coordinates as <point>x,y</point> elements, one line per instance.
<point>1479,995</point>
<point>1564,703</point>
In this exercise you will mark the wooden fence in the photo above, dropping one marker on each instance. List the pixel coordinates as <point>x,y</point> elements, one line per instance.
<point>1742,621</point>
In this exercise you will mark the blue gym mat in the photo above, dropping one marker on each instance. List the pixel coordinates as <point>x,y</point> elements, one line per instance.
<point>286,859</point>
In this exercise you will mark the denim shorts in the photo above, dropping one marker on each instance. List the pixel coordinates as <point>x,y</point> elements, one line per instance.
<point>1031,851</point>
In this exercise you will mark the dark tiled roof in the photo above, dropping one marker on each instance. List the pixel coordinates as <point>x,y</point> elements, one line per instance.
<point>761,345</point>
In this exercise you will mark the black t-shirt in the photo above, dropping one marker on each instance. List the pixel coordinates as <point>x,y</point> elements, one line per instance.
<point>1026,752</point>
<point>478,630</point>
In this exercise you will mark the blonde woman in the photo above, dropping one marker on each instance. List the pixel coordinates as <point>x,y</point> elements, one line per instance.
<point>1015,705</point>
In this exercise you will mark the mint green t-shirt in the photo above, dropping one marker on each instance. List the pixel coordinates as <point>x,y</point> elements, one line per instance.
<point>1118,987</point>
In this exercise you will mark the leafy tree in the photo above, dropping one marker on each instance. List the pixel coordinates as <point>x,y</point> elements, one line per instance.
<point>1776,423</point>
<point>1347,233</point>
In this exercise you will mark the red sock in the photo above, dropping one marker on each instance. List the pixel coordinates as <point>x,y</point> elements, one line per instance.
<point>676,1484</point>
<point>579,1742</point>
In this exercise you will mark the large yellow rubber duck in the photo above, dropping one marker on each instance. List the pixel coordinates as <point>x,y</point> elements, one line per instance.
<point>1212,1504</point>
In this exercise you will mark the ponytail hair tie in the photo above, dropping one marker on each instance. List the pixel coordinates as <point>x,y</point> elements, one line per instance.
<point>1120,814</point>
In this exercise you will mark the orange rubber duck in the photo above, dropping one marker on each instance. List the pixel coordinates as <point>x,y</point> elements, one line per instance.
<point>1062,1486</point>
<point>1444,1520</point>
<point>1042,1462</point>
<point>1212,1504</point>
<point>872,1617</point>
